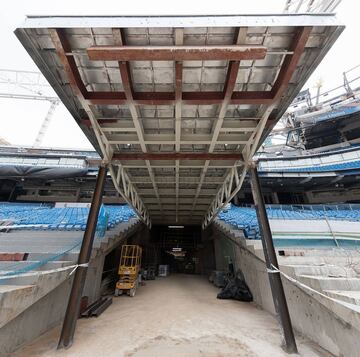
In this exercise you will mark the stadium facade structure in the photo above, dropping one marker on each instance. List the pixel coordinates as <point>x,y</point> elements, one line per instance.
<point>178,140</point>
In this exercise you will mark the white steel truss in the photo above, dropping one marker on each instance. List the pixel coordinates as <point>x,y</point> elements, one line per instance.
<point>235,178</point>
<point>120,180</point>
<point>178,127</point>
<point>127,190</point>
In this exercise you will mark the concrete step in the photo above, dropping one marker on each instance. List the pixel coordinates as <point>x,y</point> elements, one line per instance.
<point>32,286</point>
<point>39,240</point>
<point>50,236</point>
<point>71,256</point>
<point>352,297</point>
<point>102,241</point>
<point>322,270</point>
<point>330,283</point>
<point>318,260</point>
<point>11,265</point>
<point>257,244</point>
<point>259,252</point>
<point>42,234</point>
<point>5,289</point>
<point>44,250</point>
<point>61,235</point>
<point>325,252</point>
<point>11,296</point>
<point>17,293</point>
<point>30,246</point>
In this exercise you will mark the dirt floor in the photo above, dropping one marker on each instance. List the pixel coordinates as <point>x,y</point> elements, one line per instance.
<point>175,316</point>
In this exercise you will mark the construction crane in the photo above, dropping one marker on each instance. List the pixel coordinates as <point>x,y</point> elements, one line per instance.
<point>31,86</point>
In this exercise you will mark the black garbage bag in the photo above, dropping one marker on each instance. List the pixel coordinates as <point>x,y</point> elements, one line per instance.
<point>236,288</point>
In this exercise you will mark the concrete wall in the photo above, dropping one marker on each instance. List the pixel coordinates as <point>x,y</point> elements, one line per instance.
<point>49,310</point>
<point>18,293</point>
<point>224,252</point>
<point>92,288</point>
<point>205,255</point>
<point>92,285</point>
<point>37,319</point>
<point>316,226</point>
<point>345,195</point>
<point>330,324</point>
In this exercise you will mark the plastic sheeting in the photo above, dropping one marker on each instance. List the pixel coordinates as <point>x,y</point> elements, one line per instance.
<point>7,171</point>
<point>236,288</point>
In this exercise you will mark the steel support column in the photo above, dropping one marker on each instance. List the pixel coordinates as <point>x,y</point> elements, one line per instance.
<point>277,289</point>
<point>73,307</point>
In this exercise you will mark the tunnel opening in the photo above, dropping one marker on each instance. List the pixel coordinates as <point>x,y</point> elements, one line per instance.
<point>182,249</point>
<point>110,268</point>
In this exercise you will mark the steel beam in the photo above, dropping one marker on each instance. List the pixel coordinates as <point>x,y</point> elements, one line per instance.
<point>286,72</point>
<point>277,289</point>
<point>127,190</point>
<point>125,74</point>
<point>179,41</point>
<point>243,125</point>
<point>73,307</point>
<point>290,62</point>
<point>235,178</point>
<point>232,73</point>
<point>63,50</point>
<point>177,156</point>
<point>183,192</point>
<point>185,179</point>
<point>169,139</point>
<point>182,200</point>
<point>189,98</point>
<point>192,164</point>
<point>175,53</point>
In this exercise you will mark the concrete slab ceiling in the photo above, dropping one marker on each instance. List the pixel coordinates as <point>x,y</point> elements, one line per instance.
<point>169,96</point>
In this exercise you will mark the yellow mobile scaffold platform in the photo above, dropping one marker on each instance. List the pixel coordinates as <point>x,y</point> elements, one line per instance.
<point>129,270</point>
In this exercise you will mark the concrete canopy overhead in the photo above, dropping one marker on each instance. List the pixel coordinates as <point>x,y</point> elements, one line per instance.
<point>178,104</point>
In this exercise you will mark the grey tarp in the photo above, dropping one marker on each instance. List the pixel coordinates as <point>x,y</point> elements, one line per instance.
<point>9,171</point>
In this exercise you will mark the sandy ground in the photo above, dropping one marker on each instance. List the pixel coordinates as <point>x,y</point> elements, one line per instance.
<point>175,316</point>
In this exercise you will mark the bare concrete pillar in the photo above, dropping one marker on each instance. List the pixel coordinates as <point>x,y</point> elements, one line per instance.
<point>275,198</point>
<point>93,278</point>
<point>308,197</point>
<point>236,200</point>
<point>77,194</point>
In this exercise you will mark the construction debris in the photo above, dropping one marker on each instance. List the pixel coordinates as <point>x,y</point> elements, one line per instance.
<point>98,307</point>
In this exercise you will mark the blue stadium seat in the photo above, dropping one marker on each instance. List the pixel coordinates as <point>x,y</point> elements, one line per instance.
<point>245,219</point>
<point>34,216</point>
<point>321,168</point>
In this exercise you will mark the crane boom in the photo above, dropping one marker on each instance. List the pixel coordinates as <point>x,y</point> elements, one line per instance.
<point>45,124</point>
<point>29,85</point>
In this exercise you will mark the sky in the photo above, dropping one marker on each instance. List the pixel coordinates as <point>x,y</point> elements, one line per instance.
<point>20,120</point>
